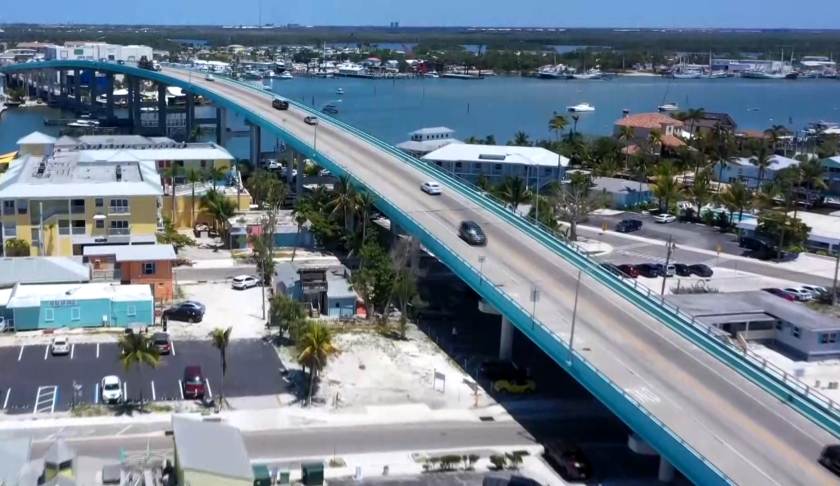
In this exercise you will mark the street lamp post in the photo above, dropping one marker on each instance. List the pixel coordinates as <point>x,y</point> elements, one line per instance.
<point>670,245</point>
<point>481,259</point>
<point>535,297</point>
<point>836,267</point>
<point>574,319</point>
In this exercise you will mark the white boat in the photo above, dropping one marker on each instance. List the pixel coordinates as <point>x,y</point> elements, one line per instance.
<point>253,75</point>
<point>580,108</point>
<point>84,124</point>
<point>431,74</point>
<point>591,74</point>
<point>285,75</point>
<point>269,74</point>
<point>719,75</point>
<point>266,87</point>
<point>352,69</point>
<point>669,107</point>
<point>757,74</point>
<point>551,72</point>
<point>339,91</point>
<point>687,75</point>
<point>279,66</point>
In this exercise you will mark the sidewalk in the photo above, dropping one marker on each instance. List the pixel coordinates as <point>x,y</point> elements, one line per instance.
<point>300,256</point>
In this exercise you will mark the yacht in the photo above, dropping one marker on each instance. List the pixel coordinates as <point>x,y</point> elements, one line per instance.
<point>351,69</point>
<point>431,74</point>
<point>669,107</point>
<point>339,91</point>
<point>719,74</point>
<point>590,74</point>
<point>280,66</point>
<point>87,123</point>
<point>687,75</point>
<point>580,108</point>
<point>269,74</point>
<point>253,75</point>
<point>285,75</point>
<point>551,71</point>
<point>759,74</point>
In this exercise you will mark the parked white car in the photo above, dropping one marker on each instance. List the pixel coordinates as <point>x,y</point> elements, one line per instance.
<point>243,282</point>
<point>431,188</point>
<point>111,389</point>
<point>815,290</point>
<point>800,294</point>
<point>670,270</point>
<point>664,218</point>
<point>60,346</point>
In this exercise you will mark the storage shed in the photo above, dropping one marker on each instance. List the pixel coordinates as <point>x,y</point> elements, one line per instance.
<point>199,458</point>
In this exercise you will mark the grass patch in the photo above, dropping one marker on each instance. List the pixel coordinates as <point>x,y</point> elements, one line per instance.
<point>157,407</point>
<point>89,410</point>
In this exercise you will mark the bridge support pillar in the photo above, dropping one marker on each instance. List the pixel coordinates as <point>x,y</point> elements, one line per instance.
<point>221,127</point>
<point>290,165</point>
<point>190,115</point>
<point>301,168</point>
<point>77,90</point>
<point>256,145</point>
<point>92,88</point>
<point>134,93</point>
<point>506,340</point>
<point>109,101</point>
<point>63,88</point>
<point>666,470</point>
<point>161,110</point>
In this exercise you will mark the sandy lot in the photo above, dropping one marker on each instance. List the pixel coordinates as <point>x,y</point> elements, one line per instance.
<point>226,307</point>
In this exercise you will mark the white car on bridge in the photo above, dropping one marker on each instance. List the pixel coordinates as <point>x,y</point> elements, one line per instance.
<point>432,188</point>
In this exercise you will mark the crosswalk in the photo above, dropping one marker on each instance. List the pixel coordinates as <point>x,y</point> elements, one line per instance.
<point>627,251</point>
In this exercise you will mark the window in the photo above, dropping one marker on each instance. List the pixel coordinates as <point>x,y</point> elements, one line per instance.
<point>63,227</point>
<point>203,164</point>
<point>78,227</point>
<point>118,206</point>
<point>10,230</point>
<point>119,224</point>
<point>8,207</point>
<point>795,331</point>
<point>100,223</point>
<point>49,315</point>
<point>828,337</point>
<point>149,268</point>
<point>75,313</point>
<point>99,202</point>
<point>779,325</point>
<point>23,206</point>
<point>131,310</point>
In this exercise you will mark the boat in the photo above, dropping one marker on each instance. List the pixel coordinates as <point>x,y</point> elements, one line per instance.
<point>829,73</point>
<point>84,124</point>
<point>431,74</point>
<point>285,75</point>
<point>330,109</point>
<point>462,76</point>
<point>758,74</point>
<point>580,108</point>
<point>551,71</point>
<point>719,74</point>
<point>269,74</point>
<point>279,66</point>
<point>792,75</point>
<point>252,75</point>
<point>266,87</point>
<point>669,107</point>
<point>686,75</point>
<point>591,74</point>
<point>339,91</point>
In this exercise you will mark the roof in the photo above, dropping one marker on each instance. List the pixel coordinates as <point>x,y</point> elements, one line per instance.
<point>59,452</point>
<point>648,120</point>
<point>338,287</point>
<point>287,272</point>
<point>710,119</point>
<point>616,186</point>
<point>426,146</point>
<point>750,134</point>
<point>132,253</point>
<point>42,270</point>
<point>777,162</point>
<point>14,455</point>
<point>672,141</point>
<point>197,445</point>
<point>60,481</point>
<point>33,295</point>
<point>36,138</point>
<point>432,131</point>
<point>498,154</point>
<point>742,306</point>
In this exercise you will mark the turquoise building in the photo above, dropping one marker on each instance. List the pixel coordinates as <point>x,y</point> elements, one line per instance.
<point>34,307</point>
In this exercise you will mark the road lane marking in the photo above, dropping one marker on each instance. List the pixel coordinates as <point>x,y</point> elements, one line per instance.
<point>20,356</point>
<point>97,350</point>
<point>6,401</point>
<point>96,394</point>
<point>124,430</point>
<point>46,351</point>
<point>153,391</point>
<point>181,389</point>
<point>209,391</point>
<point>643,395</point>
<point>72,350</point>
<point>172,348</point>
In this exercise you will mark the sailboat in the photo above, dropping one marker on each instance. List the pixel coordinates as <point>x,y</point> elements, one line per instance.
<point>593,73</point>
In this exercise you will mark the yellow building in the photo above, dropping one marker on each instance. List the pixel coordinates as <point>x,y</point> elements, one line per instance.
<point>210,454</point>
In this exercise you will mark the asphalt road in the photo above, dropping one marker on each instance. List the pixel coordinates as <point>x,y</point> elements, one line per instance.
<point>737,426</point>
<point>32,379</point>
<point>183,274</point>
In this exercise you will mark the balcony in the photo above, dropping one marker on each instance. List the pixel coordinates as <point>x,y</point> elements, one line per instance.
<point>119,231</point>
<point>79,231</point>
<point>77,210</point>
<point>118,209</point>
<point>106,275</point>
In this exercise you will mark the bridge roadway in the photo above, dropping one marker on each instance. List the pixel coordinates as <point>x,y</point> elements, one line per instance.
<point>748,434</point>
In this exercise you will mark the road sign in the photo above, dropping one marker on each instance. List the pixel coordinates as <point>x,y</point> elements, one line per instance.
<point>719,249</point>
<point>604,226</point>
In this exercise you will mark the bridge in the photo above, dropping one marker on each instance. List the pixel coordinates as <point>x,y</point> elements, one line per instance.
<point>717,415</point>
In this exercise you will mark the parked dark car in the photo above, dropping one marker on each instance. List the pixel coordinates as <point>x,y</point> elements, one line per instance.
<point>498,480</point>
<point>188,311</point>
<point>629,270</point>
<point>194,382</point>
<point>830,458</point>
<point>701,270</point>
<point>162,342</point>
<point>121,62</point>
<point>279,104</point>
<point>682,269</point>
<point>495,370</point>
<point>780,293</point>
<point>649,270</point>
<point>628,225</point>
<point>472,233</point>
<point>754,244</point>
<point>571,463</point>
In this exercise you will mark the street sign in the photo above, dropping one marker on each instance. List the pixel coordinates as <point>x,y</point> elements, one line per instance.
<point>604,226</point>
<point>719,249</point>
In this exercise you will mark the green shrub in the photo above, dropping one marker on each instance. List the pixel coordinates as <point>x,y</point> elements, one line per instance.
<point>498,461</point>
<point>515,460</point>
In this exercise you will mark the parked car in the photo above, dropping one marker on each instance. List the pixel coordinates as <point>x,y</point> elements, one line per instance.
<point>649,270</point>
<point>664,218</point>
<point>60,346</point>
<point>682,269</point>
<point>121,62</point>
<point>431,187</point>
<point>516,385</point>
<point>629,270</point>
<point>780,293</point>
<point>611,268</point>
<point>194,382</point>
<point>571,463</point>
<point>209,77</point>
<point>111,390</point>
<point>755,244</point>
<point>495,370</point>
<point>815,290</point>
<point>799,294</point>
<point>670,270</point>
<point>243,282</point>
<point>830,458</point>
<point>701,270</point>
<point>189,311</point>
<point>472,233</point>
<point>162,342</point>
<point>279,104</point>
<point>311,120</point>
<point>497,480</point>
<point>628,225</point>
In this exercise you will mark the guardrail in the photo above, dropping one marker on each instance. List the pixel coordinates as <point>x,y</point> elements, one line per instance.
<point>799,395</point>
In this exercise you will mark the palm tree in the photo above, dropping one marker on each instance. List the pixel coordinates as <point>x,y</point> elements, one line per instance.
<point>762,159</point>
<point>483,182</point>
<point>776,133</point>
<point>196,134</point>
<point>490,140</point>
<point>193,177</point>
<point>692,117</point>
<point>520,139</point>
<point>736,197</point>
<point>701,191</point>
<point>514,191</point>
<point>473,141</point>
<point>220,339</point>
<point>137,350</point>
<point>365,204</point>
<point>626,134</point>
<point>639,166</point>
<point>666,188</point>
<point>215,174</point>
<point>315,347</point>
<point>655,138</point>
<point>171,173</point>
<point>557,124</point>
<point>300,213</point>
<point>344,200</point>
<point>219,207</point>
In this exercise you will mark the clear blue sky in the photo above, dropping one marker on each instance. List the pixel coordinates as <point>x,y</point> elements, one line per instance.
<point>819,14</point>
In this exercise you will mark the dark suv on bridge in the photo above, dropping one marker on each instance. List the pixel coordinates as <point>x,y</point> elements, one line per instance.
<point>279,104</point>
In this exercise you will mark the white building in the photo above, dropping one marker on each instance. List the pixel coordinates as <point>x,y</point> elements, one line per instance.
<point>536,165</point>
<point>94,51</point>
<point>427,140</point>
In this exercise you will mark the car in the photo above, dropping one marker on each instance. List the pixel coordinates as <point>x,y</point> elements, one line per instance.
<point>432,188</point>
<point>279,104</point>
<point>209,77</point>
<point>682,269</point>
<point>162,342</point>
<point>664,218</point>
<point>496,370</point>
<point>311,120</point>
<point>111,390</point>
<point>516,385</point>
<point>188,311</point>
<point>472,233</point>
<point>830,458</point>
<point>60,346</point>
<point>815,290</point>
<point>780,293</point>
<point>324,173</point>
<point>121,62</point>
<point>498,480</point>
<point>628,270</point>
<point>243,282</point>
<point>649,270</point>
<point>700,270</point>
<point>669,270</point>
<point>799,294</point>
<point>194,382</point>
<point>628,225</point>
<point>571,463</point>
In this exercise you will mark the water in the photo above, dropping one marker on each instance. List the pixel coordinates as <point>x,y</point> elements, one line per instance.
<point>504,105</point>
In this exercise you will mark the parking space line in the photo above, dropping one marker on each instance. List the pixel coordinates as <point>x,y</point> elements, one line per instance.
<point>153,391</point>
<point>20,356</point>
<point>209,391</point>
<point>45,399</point>
<point>172,348</point>
<point>72,350</point>
<point>124,430</point>
<point>6,401</point>
<point>125,390</point>
<point>181,389</point>
<point>46,351</point>
<point>97,350</point>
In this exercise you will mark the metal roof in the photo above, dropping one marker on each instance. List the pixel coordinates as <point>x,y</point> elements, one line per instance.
<point>197,445</point>
<point>338,287</point>
<point>132,253</point>
<point>432,131</point>
<point>14,455</point>
<point>497,154</point>
<point>59,453</point>
<point>32,295</point>
<point>42,270</point>
<point>36,138</point>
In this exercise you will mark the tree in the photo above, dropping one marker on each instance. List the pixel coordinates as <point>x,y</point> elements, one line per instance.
<point>171,173</point>
<point>626,135</point>
<point>573,202</point>
<point>639,166</point>
<point>300,213</point>
<point>557,124</point>
<point>316,348</point>
<point>514,191</point>
<point>405,293</point>
<point>169,235</point>
<point>343,200</point>
<point>16,247</point>
<point>666,188</point>
<point>762,159</point>
<point>483,182</point>
<point>193,177</point>
<point>693,116</point>
<point>701,191</point>
<point>736,197</point>
<point>778,227</point>
<point>775,134</point>
<point>220,339</point>
<point>365,204</point>
<point>654,140</point>
<point>220,209</point>
<point>287,314</point>
<point>520,139</point>
<point>136,350</point>
<point>215,174</point>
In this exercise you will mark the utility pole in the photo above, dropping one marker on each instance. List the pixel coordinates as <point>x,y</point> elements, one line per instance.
<point>670,246</point>
<point>836,267</point>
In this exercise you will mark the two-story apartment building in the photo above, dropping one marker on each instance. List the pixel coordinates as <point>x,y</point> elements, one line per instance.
<point>642,125</point>
<point>60,200</point>
<point>743,170</point>
<point>135,264</point>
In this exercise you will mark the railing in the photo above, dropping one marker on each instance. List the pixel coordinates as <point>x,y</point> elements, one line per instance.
<point>118,209</point>
<point>111,274</point>
<point>77,210</point>
<point>78,231</point>
<point>119,231</point>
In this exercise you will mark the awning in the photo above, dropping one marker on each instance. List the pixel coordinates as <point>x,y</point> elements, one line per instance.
<point>100,216</point>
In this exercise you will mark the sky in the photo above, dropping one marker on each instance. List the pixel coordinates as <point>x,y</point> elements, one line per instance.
<point>490,13</point>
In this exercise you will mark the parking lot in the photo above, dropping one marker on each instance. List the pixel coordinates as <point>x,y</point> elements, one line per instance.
<point>32,380</point>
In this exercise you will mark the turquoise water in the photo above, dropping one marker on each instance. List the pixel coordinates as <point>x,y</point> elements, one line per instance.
<point>502,106</point>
